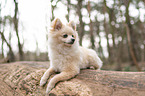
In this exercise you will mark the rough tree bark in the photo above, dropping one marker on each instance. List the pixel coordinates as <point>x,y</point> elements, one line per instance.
<point>22,79</point>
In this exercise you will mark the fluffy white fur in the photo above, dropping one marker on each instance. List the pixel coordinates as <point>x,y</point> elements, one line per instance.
<point>66,56</point>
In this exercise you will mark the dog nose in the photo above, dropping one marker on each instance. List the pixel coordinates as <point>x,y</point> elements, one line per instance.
<point>73,39</point>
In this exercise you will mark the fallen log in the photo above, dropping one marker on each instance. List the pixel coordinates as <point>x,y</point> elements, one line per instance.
<point>22,79</point>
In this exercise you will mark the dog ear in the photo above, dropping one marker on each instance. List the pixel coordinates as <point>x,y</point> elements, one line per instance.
<point>57,24</point>
<point>72,24</point>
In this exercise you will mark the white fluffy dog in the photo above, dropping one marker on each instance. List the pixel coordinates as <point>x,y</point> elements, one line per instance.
<point>66,56</point>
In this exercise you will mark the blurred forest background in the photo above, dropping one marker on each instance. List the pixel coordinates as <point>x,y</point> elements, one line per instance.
<point>114,28</point>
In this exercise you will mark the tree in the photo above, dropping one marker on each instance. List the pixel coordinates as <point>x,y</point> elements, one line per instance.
<point>91,26</point>
<point>11,56</point>
<point>81,30</point>
<point>16,24</point>
<point>131,48</point>
<point>97,30</point>
<point>107,38</point>
<point>112,29</point>
<point>132,35</point>
<point>68,9</point>
<point>53,8</point>
<point>3,23</point>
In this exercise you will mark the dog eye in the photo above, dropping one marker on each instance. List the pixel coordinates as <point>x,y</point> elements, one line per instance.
<point>65,36</point>
<point>72,35</point>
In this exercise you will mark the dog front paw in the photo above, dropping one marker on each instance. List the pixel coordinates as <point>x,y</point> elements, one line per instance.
<point>48,89</point>
<point>42,82</point>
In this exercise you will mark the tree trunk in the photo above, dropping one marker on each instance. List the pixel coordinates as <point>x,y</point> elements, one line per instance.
<point>53,8</point>
<point>81,23</point>
<point>142,35</point>
<point>2,47</point>
<point>131,48</point>
<point>22,79</point>
<point>108,45</point>
<point>110,13</point>
<point>100,49</point>
<point>68,9</point>
<point>132,35</point>
<point>91,26</point>
<point>11,55</point>
<point>112,30</point>
<point>21,54</point>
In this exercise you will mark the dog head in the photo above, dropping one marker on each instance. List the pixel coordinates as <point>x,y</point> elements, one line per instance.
<point>63,34</point>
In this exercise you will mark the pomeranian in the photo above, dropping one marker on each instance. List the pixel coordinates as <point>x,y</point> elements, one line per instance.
<point>66,56</point>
